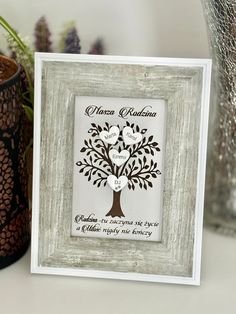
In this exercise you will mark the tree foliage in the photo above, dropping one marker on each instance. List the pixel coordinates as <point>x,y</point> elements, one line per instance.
<point>139,169</point>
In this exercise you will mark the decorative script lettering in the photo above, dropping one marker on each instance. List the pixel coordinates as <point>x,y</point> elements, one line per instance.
<point>113,227</point>
<point>92,110</point>
<point>124,112</point>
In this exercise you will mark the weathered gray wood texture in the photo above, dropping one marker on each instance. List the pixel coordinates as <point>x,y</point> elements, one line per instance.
<point>181,88</point>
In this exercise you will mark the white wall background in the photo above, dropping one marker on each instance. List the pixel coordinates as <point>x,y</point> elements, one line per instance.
<point>164,28</point>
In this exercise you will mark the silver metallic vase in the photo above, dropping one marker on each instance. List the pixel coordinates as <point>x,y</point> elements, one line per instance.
<point>220,198</point>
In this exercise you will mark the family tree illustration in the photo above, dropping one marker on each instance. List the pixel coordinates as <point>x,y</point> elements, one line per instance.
<point>119,157</point>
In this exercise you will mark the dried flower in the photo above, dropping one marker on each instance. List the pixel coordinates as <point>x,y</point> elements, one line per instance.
<point>97,48</point>
<point>66,29</point>
<point>72,42</point>
<point>25,58</point>
<point>42,36</point>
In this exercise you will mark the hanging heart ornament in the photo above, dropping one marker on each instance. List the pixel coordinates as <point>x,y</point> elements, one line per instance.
<point>119,158</point>
<point>117,184</point>
<point>110,136</point>
<point>131,138</point>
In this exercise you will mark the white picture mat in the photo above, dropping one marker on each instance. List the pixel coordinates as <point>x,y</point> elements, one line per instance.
<point>140,205</point>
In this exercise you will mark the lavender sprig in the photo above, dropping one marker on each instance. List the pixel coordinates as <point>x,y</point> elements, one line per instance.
<point>42,35</point>
<point>72,42</point>
<point>97,48</point>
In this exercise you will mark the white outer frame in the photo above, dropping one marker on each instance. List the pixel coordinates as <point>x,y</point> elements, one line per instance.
<point>206,65</point>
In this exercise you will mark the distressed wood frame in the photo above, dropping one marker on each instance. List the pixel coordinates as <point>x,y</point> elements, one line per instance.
<point>185,85</point>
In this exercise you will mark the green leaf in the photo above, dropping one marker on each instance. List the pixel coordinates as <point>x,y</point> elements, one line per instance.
<point>29,112</point>
<point>25,50</point>
<point>13,34</point>
<point>26,152</point>
<point>25,96</point>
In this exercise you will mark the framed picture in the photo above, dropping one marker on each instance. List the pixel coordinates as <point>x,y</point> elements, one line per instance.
<point>119,166</point>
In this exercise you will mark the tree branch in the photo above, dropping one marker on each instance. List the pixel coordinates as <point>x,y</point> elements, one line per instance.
<point>140,147</point>
<point>88,165</point>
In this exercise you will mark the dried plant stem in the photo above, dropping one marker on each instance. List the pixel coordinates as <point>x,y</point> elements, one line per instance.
<point>24,49</point>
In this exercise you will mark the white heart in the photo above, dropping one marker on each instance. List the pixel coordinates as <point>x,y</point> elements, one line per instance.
<point>117,184</point>
<point>110,136</point>
<point>130,137</point>
<point>119,158</point>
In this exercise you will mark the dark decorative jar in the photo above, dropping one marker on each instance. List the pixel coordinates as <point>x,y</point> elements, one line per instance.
<point>14,213</point>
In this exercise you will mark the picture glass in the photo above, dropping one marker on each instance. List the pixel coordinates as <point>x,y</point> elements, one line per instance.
<point>118,168</point>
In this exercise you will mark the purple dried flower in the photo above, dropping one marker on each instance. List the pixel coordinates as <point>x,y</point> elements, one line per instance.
<point>72,42</point>
<point>42,36</point>
<point>97,48</point>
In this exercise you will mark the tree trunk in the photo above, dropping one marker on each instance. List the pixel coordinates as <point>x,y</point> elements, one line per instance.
<point>116,210</point>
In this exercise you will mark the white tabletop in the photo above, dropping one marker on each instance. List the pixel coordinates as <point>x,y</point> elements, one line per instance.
<point>23,293</point>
